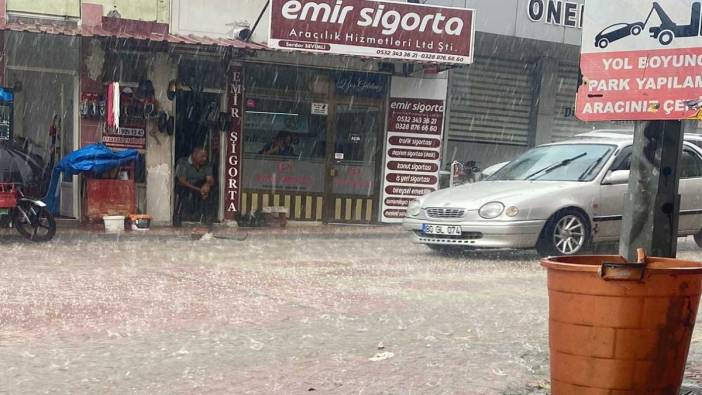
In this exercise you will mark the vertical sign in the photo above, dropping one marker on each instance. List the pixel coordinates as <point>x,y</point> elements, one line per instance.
<point>414,140</point>
<point>232,180</point>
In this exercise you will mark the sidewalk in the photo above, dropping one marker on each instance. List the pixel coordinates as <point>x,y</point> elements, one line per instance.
<point>332,231</point>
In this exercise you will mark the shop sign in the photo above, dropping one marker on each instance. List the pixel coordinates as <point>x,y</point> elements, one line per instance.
<point>641,60</point>
<point>361,85</point>
<point>557,12</point>
<point>232,173</point>
<point>378,29</point>
<point>320,109</point>
<point>415,132</point>
<point>128,136</point>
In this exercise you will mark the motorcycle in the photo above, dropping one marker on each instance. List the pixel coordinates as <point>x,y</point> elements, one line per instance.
<point>464,172</point>
<point>31,218</point>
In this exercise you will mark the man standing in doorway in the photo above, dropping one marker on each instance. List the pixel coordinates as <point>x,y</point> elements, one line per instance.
<point>194,189</point>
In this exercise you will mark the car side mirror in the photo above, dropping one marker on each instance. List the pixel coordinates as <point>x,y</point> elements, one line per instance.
<point>617,177</point>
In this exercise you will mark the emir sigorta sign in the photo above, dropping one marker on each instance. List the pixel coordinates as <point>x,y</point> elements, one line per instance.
<point>376,29</point>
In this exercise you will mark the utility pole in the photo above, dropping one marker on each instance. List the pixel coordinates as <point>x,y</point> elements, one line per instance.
<point>652,203</point>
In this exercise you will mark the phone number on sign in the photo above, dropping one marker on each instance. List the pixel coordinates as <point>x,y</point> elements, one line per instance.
<point>416,128</point>
<point>422,56</point>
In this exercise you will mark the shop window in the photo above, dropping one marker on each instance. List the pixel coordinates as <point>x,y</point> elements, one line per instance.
<point>285,82</point>
<point>357,133</point>
<point>46,51</point>
<point>279,128</point>
<point>284,146</point>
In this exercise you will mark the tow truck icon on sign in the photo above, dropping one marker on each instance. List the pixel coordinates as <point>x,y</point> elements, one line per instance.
<point>665,33</point>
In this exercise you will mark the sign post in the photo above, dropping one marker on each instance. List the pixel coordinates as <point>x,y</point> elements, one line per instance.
<point>642,61</point>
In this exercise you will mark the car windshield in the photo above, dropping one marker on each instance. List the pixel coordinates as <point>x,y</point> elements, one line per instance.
<point>563,162</point>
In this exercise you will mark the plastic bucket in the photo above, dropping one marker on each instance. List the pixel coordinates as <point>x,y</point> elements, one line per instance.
<point>620,328</point>
<point>114,223</point>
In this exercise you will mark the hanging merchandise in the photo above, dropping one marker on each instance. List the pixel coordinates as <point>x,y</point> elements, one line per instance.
<point>146,95</point>
<point>55,137</point>
<point>113,105</point>
<point>127,105</point>
<point>166,123</point>
<point>172,89</point>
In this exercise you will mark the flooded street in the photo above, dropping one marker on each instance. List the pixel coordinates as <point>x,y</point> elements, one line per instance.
<point>343,312</point>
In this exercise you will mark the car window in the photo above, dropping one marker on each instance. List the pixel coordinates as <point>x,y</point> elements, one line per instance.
<point>690,165</point>
<point>623,160</point>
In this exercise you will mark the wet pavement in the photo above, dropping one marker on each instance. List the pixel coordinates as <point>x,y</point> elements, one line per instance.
<point>328,310</point>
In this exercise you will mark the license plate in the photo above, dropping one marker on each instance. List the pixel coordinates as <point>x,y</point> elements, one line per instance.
<point>448,230</point>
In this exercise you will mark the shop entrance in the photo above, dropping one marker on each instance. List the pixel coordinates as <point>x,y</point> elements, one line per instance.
<point>197,125</point>
<point>352,168</point>
<point>312,142</point>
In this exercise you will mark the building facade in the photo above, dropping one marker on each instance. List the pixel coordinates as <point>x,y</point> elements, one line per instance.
<point>59,58</point>
<point>333,113</point>
<point>336,111</point>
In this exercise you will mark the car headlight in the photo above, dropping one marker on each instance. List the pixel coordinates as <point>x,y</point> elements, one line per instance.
<point>414,208</point>
<point>492,210</point>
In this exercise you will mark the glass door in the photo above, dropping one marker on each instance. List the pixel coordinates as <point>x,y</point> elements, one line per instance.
<point>353,165</point>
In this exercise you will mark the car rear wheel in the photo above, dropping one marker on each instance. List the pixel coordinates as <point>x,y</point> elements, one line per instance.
<point>566,233</point>
<point>636,30</point>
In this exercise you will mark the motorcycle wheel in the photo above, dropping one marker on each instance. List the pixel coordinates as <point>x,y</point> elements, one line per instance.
<point>34,223</point>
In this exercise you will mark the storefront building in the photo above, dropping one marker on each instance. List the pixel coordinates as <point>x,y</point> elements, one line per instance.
<point>332,138</point>
<point>59,61</point>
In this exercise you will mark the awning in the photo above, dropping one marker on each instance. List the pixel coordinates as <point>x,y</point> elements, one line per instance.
<point>127,30</point>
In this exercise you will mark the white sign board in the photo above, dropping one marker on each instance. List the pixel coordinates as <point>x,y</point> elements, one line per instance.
<point>320,109</point>
<point>413,146</point>
<point>641,60</point>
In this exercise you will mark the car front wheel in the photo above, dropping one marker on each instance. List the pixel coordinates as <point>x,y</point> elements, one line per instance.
<point>566,233</point>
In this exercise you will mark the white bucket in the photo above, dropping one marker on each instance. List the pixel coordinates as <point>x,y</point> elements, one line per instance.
<point>114,223</point>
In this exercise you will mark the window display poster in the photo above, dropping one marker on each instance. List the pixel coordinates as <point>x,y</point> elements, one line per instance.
<point>414,143</point>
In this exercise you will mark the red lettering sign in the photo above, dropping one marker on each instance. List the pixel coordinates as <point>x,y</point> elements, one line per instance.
<point>374,29</point>
<point>234,140</point>
<point>636,67</point>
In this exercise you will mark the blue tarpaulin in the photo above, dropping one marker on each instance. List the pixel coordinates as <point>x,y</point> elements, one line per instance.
<point>92,159</point>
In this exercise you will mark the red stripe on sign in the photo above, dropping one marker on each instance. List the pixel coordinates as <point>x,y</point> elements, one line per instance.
<point>645,85</point>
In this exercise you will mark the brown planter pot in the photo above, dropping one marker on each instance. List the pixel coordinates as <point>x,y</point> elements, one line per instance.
<point>622,328</point>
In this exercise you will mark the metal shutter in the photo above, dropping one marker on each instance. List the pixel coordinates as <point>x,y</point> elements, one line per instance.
<point>565,124</point>
<point>491,101</point>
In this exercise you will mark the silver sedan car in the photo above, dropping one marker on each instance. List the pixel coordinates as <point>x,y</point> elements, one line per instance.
<point>558,198</point>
